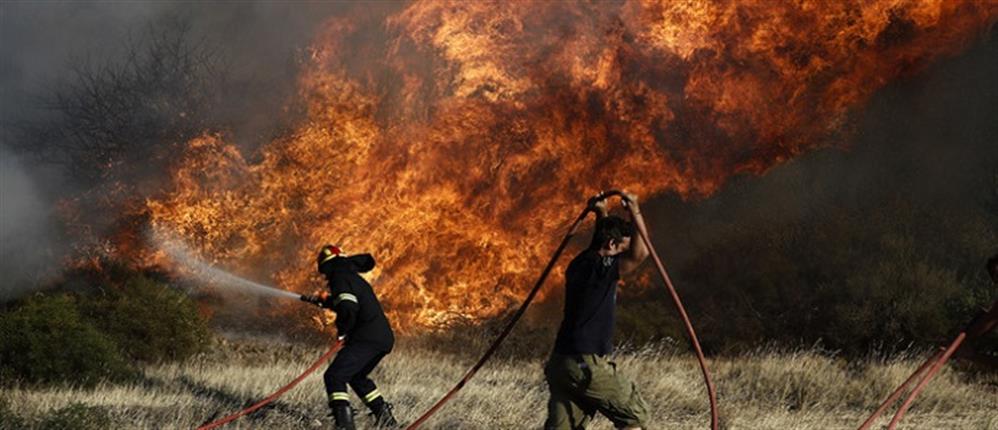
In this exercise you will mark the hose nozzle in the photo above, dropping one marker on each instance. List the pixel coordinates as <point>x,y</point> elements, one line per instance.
<point>315,300</point>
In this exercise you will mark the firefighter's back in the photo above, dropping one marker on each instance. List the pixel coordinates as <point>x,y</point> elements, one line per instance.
<point>372,325</point>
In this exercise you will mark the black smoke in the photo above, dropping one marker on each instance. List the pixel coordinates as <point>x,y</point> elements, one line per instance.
<point>879,242</point>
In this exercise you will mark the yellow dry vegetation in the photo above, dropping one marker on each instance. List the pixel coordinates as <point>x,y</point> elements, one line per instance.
<point>765,390</point>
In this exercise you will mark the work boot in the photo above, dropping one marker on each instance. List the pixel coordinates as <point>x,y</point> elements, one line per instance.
<point>343,415</point>
<point>383,418</point>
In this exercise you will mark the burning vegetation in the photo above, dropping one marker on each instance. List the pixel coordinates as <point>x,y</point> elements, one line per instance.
<point>451,139</point>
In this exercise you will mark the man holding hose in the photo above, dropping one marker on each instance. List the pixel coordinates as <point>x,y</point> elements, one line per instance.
<point>581,378</point>
<point>362,324</point>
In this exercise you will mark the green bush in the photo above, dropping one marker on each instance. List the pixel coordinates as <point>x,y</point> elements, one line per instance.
<point>46,340</point>
<point>148,319</point>
<point>118,317</point>
<point>76,416</point>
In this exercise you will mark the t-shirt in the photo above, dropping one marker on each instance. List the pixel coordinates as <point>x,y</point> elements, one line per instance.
<point>590,299</point>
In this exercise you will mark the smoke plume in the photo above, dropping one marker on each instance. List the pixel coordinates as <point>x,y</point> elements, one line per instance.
<point>27,230</point>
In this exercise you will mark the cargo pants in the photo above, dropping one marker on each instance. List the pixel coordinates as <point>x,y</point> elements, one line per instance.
<point>582,385</point>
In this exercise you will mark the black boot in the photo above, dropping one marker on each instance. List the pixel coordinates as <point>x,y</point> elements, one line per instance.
<point>383,418</point>
<point>344,417</point>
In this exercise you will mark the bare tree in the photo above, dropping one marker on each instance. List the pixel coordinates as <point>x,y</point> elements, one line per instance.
<point>110,119</point>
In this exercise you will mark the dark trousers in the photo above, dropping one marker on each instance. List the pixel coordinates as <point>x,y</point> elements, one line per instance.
<point>352,366</point>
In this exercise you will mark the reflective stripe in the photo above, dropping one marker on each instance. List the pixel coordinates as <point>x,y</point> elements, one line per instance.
<point>339,396</point>
<point>344,296</point>
<point>372,395</point>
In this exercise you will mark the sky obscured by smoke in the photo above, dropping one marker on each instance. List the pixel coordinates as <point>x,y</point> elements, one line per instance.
<point>41,42</point>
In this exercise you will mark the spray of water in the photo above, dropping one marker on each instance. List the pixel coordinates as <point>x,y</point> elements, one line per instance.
<point>196,268</point>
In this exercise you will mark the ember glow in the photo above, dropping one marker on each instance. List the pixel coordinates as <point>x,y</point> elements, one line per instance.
<point>453,140</point>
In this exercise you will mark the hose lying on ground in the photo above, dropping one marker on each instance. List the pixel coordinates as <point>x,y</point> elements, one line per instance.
<point>983,323</point>
<point>325,357</point>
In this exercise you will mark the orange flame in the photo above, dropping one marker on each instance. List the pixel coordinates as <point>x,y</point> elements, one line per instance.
<point>454,139</point>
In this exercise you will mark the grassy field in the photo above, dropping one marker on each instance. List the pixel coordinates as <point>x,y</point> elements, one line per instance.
<point>766,390</point>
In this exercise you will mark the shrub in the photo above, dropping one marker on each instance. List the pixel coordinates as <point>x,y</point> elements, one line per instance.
<point>77,416</point>
<point>147,318</point>
<point>46,340</point>
<point>117,317</point>
<point>856,281</point>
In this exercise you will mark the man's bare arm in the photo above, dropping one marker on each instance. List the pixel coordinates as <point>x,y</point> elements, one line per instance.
<point>633,258</point>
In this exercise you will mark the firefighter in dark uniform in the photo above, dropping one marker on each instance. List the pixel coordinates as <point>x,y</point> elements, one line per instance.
<point>368,337</point>
<point>581,377</point>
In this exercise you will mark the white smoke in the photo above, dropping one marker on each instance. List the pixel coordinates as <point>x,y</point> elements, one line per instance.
<point>26,230</point>
<point>193,267</point>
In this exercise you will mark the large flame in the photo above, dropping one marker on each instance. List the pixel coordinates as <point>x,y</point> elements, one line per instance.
<point>453,140</point>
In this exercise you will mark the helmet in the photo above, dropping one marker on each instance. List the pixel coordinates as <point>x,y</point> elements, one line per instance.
<point>328,252</point>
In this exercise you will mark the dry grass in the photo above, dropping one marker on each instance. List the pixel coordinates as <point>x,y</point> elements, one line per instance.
<point>804,390</point>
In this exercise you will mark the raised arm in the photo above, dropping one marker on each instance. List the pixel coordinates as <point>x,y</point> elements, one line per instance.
<point>637,253</point>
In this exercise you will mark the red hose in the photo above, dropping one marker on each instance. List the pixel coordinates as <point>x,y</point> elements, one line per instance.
<point>897,393</point>
<point>980,325</point>
<point>519,313</point>
<point>218,423</point>
<point>506,330</point>
<point>711,393</point>
<point>925,380</point>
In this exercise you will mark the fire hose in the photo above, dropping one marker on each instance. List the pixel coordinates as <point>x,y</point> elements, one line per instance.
<point>711,393</point>
<point>984,323</point>
<point>508,328</point>
<point>273,396</point>
<point>481,362</point>
<point>533,292</point>
<point>573,229</point>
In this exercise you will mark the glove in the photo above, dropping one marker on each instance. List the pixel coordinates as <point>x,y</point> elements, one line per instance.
<point>315,299</point>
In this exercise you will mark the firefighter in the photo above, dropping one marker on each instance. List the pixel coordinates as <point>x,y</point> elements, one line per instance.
<point>363,326</point>
<point>581,377</point>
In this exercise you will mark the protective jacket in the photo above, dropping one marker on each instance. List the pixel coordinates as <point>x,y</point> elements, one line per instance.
<point>359,315</point>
